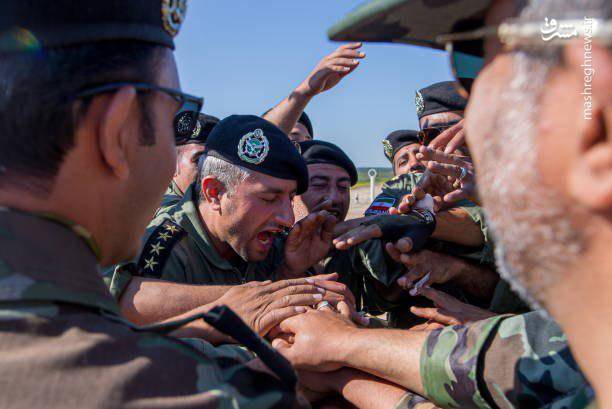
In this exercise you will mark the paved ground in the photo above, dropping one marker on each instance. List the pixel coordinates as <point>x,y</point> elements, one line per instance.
<point>360,200</point>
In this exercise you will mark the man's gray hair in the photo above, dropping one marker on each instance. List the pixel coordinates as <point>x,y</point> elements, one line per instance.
<point>227,173</point>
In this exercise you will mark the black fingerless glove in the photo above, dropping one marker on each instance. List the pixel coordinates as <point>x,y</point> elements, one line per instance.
<point>418,225</point>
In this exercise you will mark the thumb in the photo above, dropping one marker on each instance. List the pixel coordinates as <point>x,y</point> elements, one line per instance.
<point>280,345</point>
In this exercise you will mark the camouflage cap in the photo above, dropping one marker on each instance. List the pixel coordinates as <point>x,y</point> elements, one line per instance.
<point>416,22</point>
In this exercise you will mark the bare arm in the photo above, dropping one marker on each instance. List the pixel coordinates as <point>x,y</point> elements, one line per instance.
<point>328,72</point>
<point>360,389</point>
<point>396,357</point>
<point>147,300</point>
<point>456,226</point>
<point>287,112</point>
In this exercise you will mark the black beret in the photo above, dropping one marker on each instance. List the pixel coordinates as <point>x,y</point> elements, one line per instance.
<point>397,139</point>
<point>325,152</point>
<point>256,144</point>
<point>439,97</point>
<point>28,24</point>
<point>304,120</point>
<point>203,128</point>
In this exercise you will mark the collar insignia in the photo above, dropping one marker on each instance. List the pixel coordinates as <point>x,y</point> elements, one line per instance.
<point>254,147</point>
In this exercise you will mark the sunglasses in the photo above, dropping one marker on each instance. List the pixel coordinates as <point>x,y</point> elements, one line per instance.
<point>465,49</point>
<point>186,119</point>
<point>426,135</point>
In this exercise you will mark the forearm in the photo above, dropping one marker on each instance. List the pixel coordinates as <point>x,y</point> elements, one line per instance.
<point>366,391</point>
<point>288,111</point>
<point>146,300</point>
<point>456,226</point>
<point>393,355</point>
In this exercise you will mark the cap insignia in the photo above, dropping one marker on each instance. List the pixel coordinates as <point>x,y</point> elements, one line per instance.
<point>419,103</point>
<point>173,14</point>
<point>297,146</point>
<point>253,147</point>
<point>388,148</point>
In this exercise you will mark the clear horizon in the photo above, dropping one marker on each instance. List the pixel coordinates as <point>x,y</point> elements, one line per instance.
<point>244,57</point>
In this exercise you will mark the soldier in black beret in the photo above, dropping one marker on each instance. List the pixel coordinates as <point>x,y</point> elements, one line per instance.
<point>235,224</point>
<point>89,94</point>
<point>438,107</point>
<point>400,148</point>
<point>188,153</point>
<point>331,173</point>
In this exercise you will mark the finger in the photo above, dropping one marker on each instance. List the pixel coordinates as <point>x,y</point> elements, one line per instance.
<point>440,298</point>
<point>325,204</point>
<point>293,240</point>
<point>404,245</point>
<point>453,171</point>
<point>338,288</point>
<point>393,252</point>
<point>327,230</point>
<point>358,236</point>
<point>440,141</point>
<point>282,346</point>
<point>407,280</point>
<point>322,277</point>
<point>429,154</point>
<point>343,62</point>
<point>344,237</point>
<point>455,196</point>
<point>434,314</point>
<point>272,318</point>
<point>347,53</point>
<point>353,46</point>
<point>457,142</point>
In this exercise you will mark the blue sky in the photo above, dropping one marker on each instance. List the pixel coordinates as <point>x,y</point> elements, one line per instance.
<point>244,56</point>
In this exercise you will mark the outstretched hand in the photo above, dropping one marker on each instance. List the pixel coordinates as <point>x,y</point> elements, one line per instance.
<point>308,242</point>
<point>332,68</point>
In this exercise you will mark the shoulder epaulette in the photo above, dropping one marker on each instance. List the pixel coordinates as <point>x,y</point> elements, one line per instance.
<point>158,248</point>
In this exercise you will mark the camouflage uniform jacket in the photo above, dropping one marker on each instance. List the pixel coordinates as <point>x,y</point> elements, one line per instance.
<point>64,344</point>
<point>176,247</point>
<point>506,361</point>
<point>172,196</point>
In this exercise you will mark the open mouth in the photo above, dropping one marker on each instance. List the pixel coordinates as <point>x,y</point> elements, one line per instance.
<point>265,237</point>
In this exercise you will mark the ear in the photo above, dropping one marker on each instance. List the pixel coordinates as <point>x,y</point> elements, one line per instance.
<point>212,190</point>
<point>114,131</point>
<point>590,181</point>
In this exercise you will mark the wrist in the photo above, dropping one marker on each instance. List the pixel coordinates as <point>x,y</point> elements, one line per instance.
<point>346,344</point>
<point>304,91</point>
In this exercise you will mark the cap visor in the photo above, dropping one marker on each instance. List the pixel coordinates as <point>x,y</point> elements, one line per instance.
<point>417,22</point>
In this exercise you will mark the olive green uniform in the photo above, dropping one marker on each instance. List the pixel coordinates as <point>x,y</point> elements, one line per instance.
<point>178,248</point>
<point>65,345</point>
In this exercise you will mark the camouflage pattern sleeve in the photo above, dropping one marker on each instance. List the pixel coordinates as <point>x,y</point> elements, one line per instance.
<point>505,361</point>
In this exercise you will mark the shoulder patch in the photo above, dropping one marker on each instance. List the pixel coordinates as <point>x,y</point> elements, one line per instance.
<point>381,205</point>
<point>158,247</point>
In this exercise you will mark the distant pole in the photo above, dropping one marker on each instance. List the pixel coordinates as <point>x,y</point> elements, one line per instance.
<point>372,175</point>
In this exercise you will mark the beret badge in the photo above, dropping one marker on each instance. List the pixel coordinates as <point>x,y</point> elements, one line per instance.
<point>297,146</point>
<point>253,147</point>
<point>388,148</point>
<point>173,14</point>
<point>419,103</point>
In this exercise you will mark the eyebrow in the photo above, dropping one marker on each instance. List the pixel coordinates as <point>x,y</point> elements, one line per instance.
<point>324,178</point>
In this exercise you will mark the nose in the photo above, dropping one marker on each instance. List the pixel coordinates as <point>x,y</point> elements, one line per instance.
<point>285,217</point>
